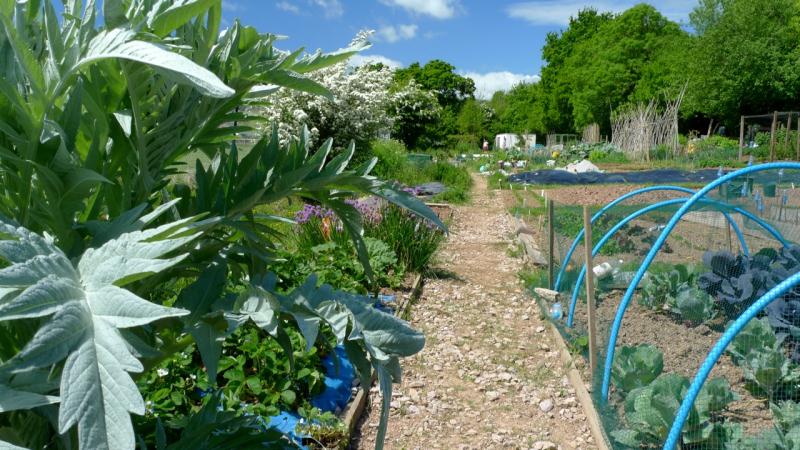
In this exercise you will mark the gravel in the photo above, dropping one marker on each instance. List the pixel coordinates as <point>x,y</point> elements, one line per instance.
<point>487,377</point>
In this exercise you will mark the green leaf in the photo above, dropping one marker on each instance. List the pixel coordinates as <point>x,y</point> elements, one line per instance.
<point>385,383</point>
<point>12,400</point>
<point>6,446</point>
<point>177,14</point>
<point>88,309</point>
<point>120,44</point>
<point>288,397</point>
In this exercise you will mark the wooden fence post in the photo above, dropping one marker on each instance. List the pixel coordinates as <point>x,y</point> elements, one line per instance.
<point>772,136</point>
<point>797,144</point>
<point>587,243</point>
<point>788,129</point>
<point>551,245</point>
<point>741,136</point>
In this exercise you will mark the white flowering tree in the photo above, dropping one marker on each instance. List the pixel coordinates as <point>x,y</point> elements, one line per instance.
<point>412,108</point>
<point>357,111</point>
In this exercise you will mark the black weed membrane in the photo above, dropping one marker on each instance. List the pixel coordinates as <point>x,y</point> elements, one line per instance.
<point>697,311</point>
<point>563,177</point>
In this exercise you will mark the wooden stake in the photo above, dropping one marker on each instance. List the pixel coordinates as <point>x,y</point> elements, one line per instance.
<point>551,245</point>
<point>741,136</point>
<point>788,129</point>
<point>728,224</point>
<point>797,144</point>
<point>587,243</point>
<point>772,136</point>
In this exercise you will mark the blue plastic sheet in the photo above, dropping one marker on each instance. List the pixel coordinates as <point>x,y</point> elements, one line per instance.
<point>338,384</point>
<point>337,393</point>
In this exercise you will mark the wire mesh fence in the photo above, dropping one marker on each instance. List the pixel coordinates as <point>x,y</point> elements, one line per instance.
<point>668,292</point>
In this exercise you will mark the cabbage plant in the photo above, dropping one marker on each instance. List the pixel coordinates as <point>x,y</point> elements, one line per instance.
<point>100,107</point>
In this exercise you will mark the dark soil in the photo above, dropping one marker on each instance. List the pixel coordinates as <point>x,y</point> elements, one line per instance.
<point>684,348</point>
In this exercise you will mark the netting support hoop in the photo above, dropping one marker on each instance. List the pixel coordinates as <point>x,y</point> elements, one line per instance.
<point>605,209</point>
<point>626,299</point>
<point>716,352</point>
<point>722,206</point>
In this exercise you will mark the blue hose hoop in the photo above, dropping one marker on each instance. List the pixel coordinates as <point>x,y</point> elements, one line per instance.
<point>771,230</point>
<point>647,209</point>
<point>605,209</point>
<point>716,352</point>
<point>623,305</point>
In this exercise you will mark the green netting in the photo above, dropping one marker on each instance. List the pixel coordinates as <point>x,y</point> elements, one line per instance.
<point>695,287</point>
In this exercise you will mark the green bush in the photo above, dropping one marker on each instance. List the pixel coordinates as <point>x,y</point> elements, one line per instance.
<point>336,263</point>
<point>392,158</point>
<point>414,241</point>
<point>456,179</point>
<point>393,164</point>
<point>783,149</point>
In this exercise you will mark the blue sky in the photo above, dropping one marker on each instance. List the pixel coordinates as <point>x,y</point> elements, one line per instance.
<point>497,43</point>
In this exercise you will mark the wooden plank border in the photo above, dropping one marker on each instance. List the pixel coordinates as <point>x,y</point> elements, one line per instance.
<point>352,413</point>
<point>585,399</point>
<point>592,417</point>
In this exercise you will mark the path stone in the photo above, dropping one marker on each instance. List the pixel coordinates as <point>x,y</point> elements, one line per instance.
<point>486,368</point>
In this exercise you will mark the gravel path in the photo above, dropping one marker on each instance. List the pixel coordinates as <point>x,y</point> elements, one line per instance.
<point>489,375</point>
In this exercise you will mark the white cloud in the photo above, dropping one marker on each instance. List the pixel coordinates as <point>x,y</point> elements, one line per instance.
<point>488,83</point>
<point>360,60</point>
<point>331,8</point>
<point>558,12</point>
<point>288,7</point>
<point>393,33</point>
<point>440,9</point>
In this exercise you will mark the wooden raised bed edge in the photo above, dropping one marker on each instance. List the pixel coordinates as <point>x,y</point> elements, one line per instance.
<point>352,413</point>
<point>592,417</point>
<point>595,425</point>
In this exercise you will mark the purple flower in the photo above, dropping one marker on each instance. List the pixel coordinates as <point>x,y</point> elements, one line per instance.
<point>310,212</point>
<point>369,208</point>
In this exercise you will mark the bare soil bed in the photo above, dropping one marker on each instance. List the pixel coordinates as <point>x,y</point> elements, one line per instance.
<point>684,348</point>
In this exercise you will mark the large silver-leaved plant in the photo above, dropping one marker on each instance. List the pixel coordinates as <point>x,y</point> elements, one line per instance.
<point>86,305</point>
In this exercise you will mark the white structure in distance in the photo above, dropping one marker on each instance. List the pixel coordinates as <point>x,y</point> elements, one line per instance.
<point>506,141</point>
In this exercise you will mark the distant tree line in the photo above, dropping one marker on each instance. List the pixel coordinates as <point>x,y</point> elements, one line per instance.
<point>735,57</point>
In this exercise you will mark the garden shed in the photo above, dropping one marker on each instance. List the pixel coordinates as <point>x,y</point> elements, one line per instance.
<point>512,140</point>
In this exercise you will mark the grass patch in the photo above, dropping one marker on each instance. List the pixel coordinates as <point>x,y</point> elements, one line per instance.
<point>394,164</point>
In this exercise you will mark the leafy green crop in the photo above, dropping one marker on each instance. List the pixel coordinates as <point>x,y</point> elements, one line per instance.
<point>662,288</point>
<point>693,305</point>
<point>323,430</point>
<point>335,264</point>
<point>254,371</point>
<point>650,410</point>
<point>766,367</point>
<point>636,367</point>
<point>785,433</point>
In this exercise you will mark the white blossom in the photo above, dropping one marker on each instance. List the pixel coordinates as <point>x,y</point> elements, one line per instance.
<point>357,112</point>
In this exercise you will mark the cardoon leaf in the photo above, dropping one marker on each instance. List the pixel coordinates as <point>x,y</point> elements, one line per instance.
<point>120,43</point>
<point>88,308</point>
<point>123,309</point>
<point>177,14</point>
<point>6,446</point>
<point>12,400</point>
<point>42,298</point>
